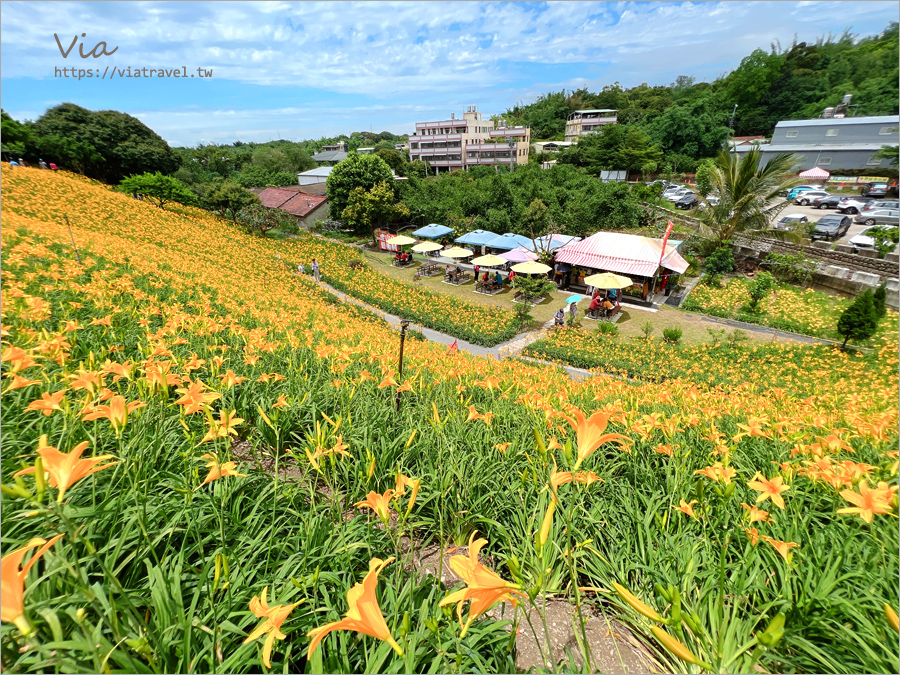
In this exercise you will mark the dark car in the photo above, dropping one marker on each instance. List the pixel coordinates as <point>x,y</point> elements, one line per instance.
<point>874,190</point>
<point>881,204</point>
<point>790,221</point>
<point>686,202</point>
<point>830,202</point>
<point>831,227</point>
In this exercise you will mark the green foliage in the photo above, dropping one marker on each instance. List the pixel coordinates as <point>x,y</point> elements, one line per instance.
<point>227,198</point>
<point>256,176</point>
<point>647,328</point>
<point>891,152</point>
<point>704,176</point>
<point>106,145</point>
<point>711,280</point>
<point>261,219</point>
<point>720,261</point>
<point>618,147</point>
<point>879,299</point>
<point>158,188</point>
<point>886,238</point>
<point>370,209</point>
<point>392,158</point>
<point>672,334</point>
<point>790,268</point>
<point>607,328</point>
<point>759,288</point>
<point>860,320</point>
<point>533,288</point>
<point>357,171</point>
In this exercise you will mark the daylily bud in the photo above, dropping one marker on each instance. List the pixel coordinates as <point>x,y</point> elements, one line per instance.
<point>639,606</point>
<point>676,648</point>
<point>411,437</point>
<point>40,483</point>
<point>730,490</point>
<point>515,569</point>
<point>404,631</point>
<point>891,617</point>
<point>661,592</point>
<point>79,614</point>
<point>773,632</point>
<point>539,442</point>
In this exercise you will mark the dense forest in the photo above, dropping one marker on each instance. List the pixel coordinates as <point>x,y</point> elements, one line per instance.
<point>796,82</point>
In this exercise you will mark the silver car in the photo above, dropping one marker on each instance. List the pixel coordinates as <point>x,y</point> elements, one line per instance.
<point>879,217</point>
<point>790,221</point>
<point>854,204</point>
<point>807,197</point>
<point>862,239</point>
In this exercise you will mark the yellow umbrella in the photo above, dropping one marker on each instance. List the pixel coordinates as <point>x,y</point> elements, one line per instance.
<point>607,280</point>
<point>400,240</point>
<point>531,267</point>
<point>427,246</point>
<point>456,252</point>
<point>490,261</point>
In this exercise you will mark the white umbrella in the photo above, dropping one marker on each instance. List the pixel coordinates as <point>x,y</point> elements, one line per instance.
<point>400,240</point>
<point>607,280</point>
<point>456,252</point>
<point>426,247</point>
<point>531,268</point>
<point>489,261</point>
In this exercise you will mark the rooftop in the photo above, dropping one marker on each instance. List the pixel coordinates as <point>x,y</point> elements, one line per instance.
<point>833,121</point>
<point>597,110</point>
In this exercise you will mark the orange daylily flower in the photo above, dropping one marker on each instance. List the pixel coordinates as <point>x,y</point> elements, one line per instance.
<point>502,447</point>
<point>783,547</point>
<point>718,472</point>
<point>217,471</point>
<point>363,614</point>
<point>686,507</point>
<point>12,578</point>
<point>756,515</point>
<point>19,382</point>
<point>754,427</point>
<point>475,415</point>
<point>66,469</point>
<point>105,321</point>
<point>558,478</point>
<point>339,448</point>
<point>18,359</point>
<point>664,450</point>
<point>404,482</point>
<point>196,398</point>
<point>229,379</point>
<point>274,617</point>
<point>116,412</point>
<point>379,503</point>
<point>770,489</point>
<point>867,502</point>
<point>406,386</point>
<point>224,426</point>
<point>47,403</point>
<point>281,402</point>
<point>388,381</point>
<point>752,534</point>
<point>590,433</point>
<point>484,587</point>
<point>86,379</point>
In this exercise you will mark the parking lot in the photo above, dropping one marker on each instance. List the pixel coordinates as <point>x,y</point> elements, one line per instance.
<point>814,214</point>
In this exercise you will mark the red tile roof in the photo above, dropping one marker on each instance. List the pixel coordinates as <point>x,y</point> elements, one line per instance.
<point>303,204</point>
<point>275,197</point>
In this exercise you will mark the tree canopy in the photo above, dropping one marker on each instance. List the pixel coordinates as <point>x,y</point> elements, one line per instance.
<point>357,171</point>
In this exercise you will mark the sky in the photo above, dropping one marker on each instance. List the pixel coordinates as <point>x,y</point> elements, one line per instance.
<point>306,70</point>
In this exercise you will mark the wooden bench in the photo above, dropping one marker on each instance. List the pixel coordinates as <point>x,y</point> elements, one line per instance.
<point>458,279</point>
<point>398,263</point>
<point>489,287</point>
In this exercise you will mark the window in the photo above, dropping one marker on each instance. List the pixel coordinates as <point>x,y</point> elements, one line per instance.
<point>824,160</point>
<point>791,134</point>
<point>831,132</point>
<point>887,131</point>
<point>874,161</point>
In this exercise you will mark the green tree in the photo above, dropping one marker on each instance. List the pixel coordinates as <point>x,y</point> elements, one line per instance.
<point>367,210</point>
<point>885,239</point>
<point>230,198</point>
<point>859,321</point>
<point>357,171</point>
<point>704,176</point>
<point>638,153</point>
<point>536,219</point>
<point>392,158</point>
<point>891,152</point>
<point>879,298</point>
<point>749,197</point>
<point>159,189</point>
<point>759,288</point>
<point>262,219</point>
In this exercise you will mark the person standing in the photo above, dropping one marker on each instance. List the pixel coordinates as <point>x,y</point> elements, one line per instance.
<point>315,270</point>
<point>572,311</point>
<point>301,269</point>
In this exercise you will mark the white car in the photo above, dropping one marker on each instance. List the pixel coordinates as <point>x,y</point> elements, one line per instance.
<point>862,238</point>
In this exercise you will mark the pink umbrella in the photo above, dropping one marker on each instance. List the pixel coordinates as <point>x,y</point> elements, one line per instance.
<point>518,255</point>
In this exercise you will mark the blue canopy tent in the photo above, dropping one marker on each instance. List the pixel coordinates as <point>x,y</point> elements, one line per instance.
<point>509,241</point>
<point>433,231</point>
<point>476,238</point>
<point>551,242</point>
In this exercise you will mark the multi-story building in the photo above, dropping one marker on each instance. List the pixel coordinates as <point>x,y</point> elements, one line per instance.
<point>833,143</point>
<point>585,122</point>
<point>456,144</point>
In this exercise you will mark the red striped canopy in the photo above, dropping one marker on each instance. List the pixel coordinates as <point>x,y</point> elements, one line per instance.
<point>626,254</point>
<point>815,172</point>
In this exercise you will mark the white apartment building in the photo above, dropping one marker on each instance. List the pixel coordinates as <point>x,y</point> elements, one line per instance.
<point>584,122</point>
<point>456,144</point>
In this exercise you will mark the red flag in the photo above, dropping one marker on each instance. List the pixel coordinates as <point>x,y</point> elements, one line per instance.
<point>454,347</point>
<point>662,253</point>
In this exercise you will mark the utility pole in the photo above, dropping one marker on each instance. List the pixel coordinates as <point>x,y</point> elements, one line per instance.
<point>731,127</point>
<point>403,324</point>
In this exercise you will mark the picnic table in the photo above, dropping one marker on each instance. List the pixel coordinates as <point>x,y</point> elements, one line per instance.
<point>458,278</point>
<point>429,269</point>
<point>489,287</point>
<point>396,262</point>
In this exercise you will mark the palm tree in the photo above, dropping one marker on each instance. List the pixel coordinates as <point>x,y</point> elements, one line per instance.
<point>749,197</point>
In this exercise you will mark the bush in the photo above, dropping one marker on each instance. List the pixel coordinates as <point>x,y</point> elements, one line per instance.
<point>691,305</point>
<point>860,320</point>
<point>672,334</point>
<point>879,297</point>
<point>720,261</point>
<point>759,288</point>
<point>790,268</point>
<point>646,329</point>
<point>712,280</point>
<point>606,328</point>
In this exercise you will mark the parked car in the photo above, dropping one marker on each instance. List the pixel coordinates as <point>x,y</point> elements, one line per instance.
<point>793,192</point>
<point>665,183</point>
<point>853,204</point>
<point>807,196</point>
<point>879,217</point>
<point>862,239</point>
<point>688,201</point>
<point>881,204</point>
<point>675,192</point>
<point>874,190</point>
<point>829,202</point>
<point>831,227</point>
<point>790,221</point>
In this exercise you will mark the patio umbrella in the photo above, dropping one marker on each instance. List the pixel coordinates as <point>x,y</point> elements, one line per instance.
<point>400,240</point>
<point>456,252</point>
<point>427,246</point>
<point>489,261</point>
<point>531,268</point>
<point>607,280</point>
<point>519,255</point>
<point>572,299</point>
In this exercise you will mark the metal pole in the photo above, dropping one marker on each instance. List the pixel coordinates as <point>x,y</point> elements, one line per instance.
<point>72,236</point>
<point>403,324</point>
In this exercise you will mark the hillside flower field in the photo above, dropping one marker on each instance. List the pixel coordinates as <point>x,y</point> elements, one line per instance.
<point>211,465</point>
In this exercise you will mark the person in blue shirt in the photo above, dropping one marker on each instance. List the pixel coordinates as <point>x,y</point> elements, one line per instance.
<point>498,279</point>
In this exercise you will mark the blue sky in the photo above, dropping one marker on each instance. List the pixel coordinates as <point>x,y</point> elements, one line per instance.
<point>312,69</point>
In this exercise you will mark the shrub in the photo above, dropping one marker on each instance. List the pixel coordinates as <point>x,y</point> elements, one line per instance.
<point>606,328</point>
<point>712,280</point>
<point>790,268</point>
<point>691,305</point>
<point>880,299</point>
<point>672,334</point>
<point>860,320</point>
<point>737,336</point>
<point>646,329</point>
<point>716,334</point>
<point>720,261</point>
<point>760,288</point>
